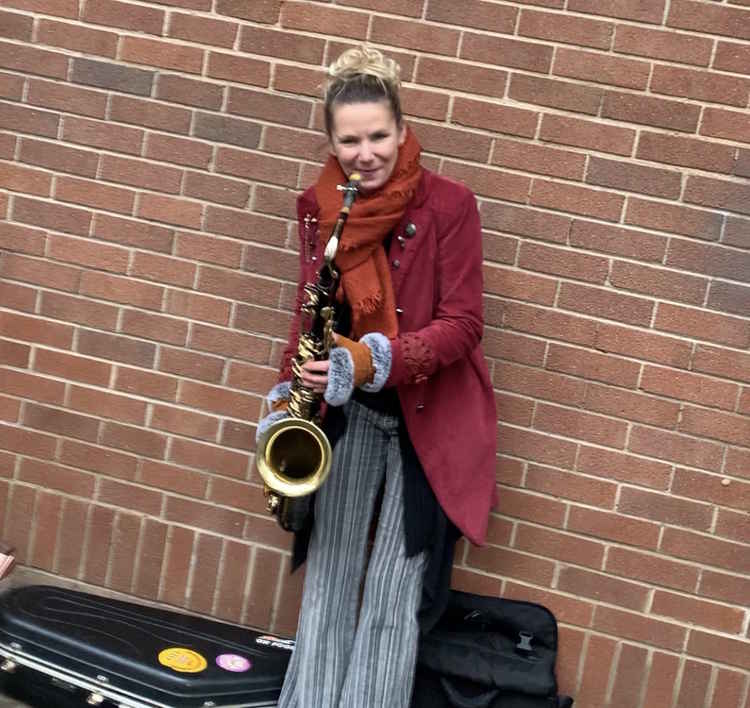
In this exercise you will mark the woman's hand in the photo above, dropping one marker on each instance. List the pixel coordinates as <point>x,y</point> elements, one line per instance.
<point>315,375</point>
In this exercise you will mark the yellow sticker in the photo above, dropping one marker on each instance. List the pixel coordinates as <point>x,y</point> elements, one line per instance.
<point>180,659</point>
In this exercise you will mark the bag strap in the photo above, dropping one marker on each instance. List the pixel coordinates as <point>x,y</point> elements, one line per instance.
<point>483,700</point>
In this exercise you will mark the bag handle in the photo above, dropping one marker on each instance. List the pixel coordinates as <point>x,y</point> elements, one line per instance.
<point>483,700</point>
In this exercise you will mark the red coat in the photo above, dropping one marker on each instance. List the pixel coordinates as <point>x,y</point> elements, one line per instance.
<point>438,367</point>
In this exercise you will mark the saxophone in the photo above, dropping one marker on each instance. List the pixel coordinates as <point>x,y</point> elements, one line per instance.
<point>294,454</point>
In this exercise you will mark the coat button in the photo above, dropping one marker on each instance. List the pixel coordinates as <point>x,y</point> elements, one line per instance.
<point>402,241</point>
<point>397,264</point>
<point>399,311</point>
<point>420,407</point>
<point>411,230</point>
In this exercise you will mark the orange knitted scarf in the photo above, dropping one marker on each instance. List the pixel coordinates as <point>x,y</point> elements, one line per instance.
<point>361,258</point>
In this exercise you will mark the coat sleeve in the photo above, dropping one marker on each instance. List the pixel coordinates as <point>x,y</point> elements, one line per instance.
<point>456,327</point>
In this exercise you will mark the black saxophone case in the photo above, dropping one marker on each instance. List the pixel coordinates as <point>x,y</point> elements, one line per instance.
<point>61,648</point>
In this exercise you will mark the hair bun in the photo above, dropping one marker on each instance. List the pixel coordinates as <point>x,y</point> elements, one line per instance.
<point>365,61</point>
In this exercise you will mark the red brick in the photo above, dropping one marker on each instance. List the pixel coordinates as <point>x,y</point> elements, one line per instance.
<point>720,123</point>
<point>122,560</point>
<point>133,233</point>
<point>630,674</point>
<point>295,143</point>
<point>722,362</point>
<point>715,647</point>
<point>727,297</point>
<point>173,478</point>
<point>126,15</point>
<point>689,15</point>
<point>85,252</point>
<point>489,116</point>
<point>601,68</point>
<point>534,158</point>
<point>733,526</point>
<point>184,422</point>
<point>238,286</point>
<point>513,347</point>
<point>258,104</point>
<point>687,386</point>
<point>492,183</point>
<point>515,565</point>
<point>599,302</point>
<point>38,388</point>
<point>163,269</point>
<point>536,446</point>
<point>18,297</point>
<point>209,458</point>
<point>282,44</point>
<point>229,492</point>
<point>220,400</point>
<point>231,594</point>
<point>639,628</point>
<point>71,534</point>
<point>720,586</point>
<point>236,68</point>
<point>133,439</point>
<point>33,329</point>
<point>107,405</point>
<point>60,422</point>
<point>597,669</point>
<point>625,176</point>
<point>674,218</point>
<point>580,425</point>
<point>473,13</point>
<point>734,196</point>
<point>26,120</point>
<point>72,367</point>
<point>112,76</point>
<point>706,549</point>
<point>732,56</point>
<point>151,559</point>
<point>666,45</point>
<point>506,52</point>
<point>118,138</point>
<point>665,508</point>
<point>129,496</point>
<point>578,200</point>
<point>147,384</point>
<point>193,92</point>
<point>659,283</point>
<point>648,110</point>
<point>202,30</point>
<point>570,486</point>
<point>519,285</point>
<point>702,325</point>
<point>677,448</point>
<point>139,173</point>
<point>53,216</point>
<point>14,354</point>
<point>737,462</point>
<point>76,38</point>
<point>625,9</point>
<point>700,85</point>
<point>734,429</point>
<point>16,26</point>
<point>170,210</point>
<point>126,109</point>
<point>120,289</point>
<point>94,194</point>
<point>259,167</point>
<point>266,11</point>
<point>243,225</point>
<point>204,516</point>
<point>18,522</point>
<point>415,35</point>
<point>178,553</point>
<point>117,348</point>
<point>569,29</point>
<point>602,588</point>
<point>97,459</point>
<point>166,55</point>
<point>30,60</point>
<point>556,93</point>
<point>613,527</point>
<point>198,307</point>
<point>58,157</point>
<point>587,134</point>
<point>632,406</point>
<point>643,345</point>
<point>537,383</point>
<point>563,547</point>
<point>181,151</point>
<point>696,678</point>
<point>728,689</point>
<point>24,179</point>
<point>592,366</point>
<point>11,86</point>
<point>687,152</point>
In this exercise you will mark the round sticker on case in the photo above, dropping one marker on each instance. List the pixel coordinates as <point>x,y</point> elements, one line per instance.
<point>184,660</point>
<point>233,662</point>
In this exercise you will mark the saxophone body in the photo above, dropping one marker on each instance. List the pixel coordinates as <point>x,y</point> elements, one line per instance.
<point>294,454</point>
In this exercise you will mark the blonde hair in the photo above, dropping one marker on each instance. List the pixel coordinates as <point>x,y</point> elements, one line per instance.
<point>362,75</point>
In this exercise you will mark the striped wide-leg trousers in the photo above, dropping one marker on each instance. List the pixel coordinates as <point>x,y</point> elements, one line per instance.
<point>345,658</point>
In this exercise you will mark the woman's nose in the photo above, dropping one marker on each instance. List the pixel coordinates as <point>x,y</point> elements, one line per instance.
<point>365,152</point>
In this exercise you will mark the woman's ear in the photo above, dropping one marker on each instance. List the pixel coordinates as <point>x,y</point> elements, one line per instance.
<point>402,133</point>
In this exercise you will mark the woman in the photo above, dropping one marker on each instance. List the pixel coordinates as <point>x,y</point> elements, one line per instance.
<point>408,394</point>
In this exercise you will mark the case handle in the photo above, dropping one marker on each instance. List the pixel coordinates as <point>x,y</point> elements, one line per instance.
<point>483,700</point>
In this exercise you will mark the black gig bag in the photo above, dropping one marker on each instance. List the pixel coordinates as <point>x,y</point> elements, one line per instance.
<point>488,652</point>
<point>65,648</point>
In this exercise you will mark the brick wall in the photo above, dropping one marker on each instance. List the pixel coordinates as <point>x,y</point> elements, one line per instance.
<point>150,153</point>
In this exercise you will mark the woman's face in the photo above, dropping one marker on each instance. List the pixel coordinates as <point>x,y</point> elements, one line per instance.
<point>365,138</point>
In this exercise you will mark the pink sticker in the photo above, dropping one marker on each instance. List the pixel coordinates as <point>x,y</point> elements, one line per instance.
<point>233,662</point>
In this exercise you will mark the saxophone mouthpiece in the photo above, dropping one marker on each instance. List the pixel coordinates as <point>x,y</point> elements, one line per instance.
<point>355,177</point>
